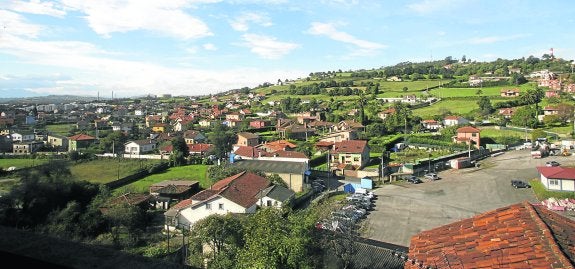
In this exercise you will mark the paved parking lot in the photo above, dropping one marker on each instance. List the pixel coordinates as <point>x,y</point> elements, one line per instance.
<point>403,210</point>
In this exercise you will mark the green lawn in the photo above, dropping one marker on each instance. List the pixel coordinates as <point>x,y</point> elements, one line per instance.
<point>492,132</point>
<point>21,163</point>
<point>60,129</point>
<point>107,170</point>
<point>191,172</point>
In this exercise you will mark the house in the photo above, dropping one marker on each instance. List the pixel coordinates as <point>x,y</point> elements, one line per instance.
<point>248,139</point>
<point>454,120</point>
<point>276,196</point>
<point>552,93</point>
<point>151,120</point>
<point>431,125</point>
<point>235,194</point>
<point>557,178</point>
<point>509,92</point>
<point>350,125</point>
<point>121,127</point>
<point>57,142</point>
<point>232,123</point>
<point>193,137</point>
<point>256,124</point>
<point>521,235</point>
<point>506,112</point>
<point>168,191</point>
<point>82,124</point>
<point>339,136</point>
<point>296,132</point>
<point>293,173</point>
<point>159,127</point>
<point>234,116</point>
<point>23,137</point>
<point>469,135</point>
<point>207,123</point>
<point>138,147</point>
<point>278,145</point>
<point>386,113</point>
<point>80,141</point>
<point>27,147</point>
<point>349,154</point>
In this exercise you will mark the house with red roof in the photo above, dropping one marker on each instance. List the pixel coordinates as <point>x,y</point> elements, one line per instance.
<point>521,235</point>
<point>248,139</point>
<point>198,149</point>
<point>431,125</point>
<point>80,141</point>
<point>278,145</point>
<point>236,194</point>
<point>510,92</point>
<point>468,135</point>
<point>506,112</point>
<point>349,154</point>
<point>557,178</point>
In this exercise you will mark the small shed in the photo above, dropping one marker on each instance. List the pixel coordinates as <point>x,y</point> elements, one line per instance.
<point>459,163</point>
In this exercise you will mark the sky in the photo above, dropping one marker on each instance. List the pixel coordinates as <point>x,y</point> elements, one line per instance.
<point>130,48</point>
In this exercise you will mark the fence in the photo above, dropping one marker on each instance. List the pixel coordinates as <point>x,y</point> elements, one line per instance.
<point>138,175</point>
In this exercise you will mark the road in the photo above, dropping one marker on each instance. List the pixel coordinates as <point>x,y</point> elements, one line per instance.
<point>403,210</point>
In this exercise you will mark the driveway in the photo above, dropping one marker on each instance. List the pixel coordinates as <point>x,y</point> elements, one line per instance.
<point>403,210</point>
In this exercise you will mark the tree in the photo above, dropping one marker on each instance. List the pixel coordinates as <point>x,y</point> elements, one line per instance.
<point>565,112</point>
<point>224,234</point>
<point>537,133</point>
<point>479,92</point>
<point>222,138</point>
<point>485,107</point>
<point>525,117</point>
<point>533,96</point>
<point>180,151</point>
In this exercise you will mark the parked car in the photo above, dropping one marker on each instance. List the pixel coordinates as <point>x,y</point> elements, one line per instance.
<point>431,176</point>
<point>519,184</point>
<point>414,180</point>
<point>552,163</point>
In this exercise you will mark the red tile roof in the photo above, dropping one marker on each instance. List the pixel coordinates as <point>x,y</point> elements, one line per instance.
<point>468,129</point>
<point>182,204</point>
<point>280,145</point>
<point>250,152</point>
<point>557,172</point>
<point>226,181</point>
<point>350,146</point>
<point>243,189</point>
<point>517,236</point>
<point>80,137</point>
<point>288,154</point>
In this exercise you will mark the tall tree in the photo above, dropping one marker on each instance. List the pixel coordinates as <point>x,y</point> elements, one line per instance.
<point>224,234</point>
<point>222,139</point>
<point>525,117</point>
<point>485,107</point>
<point>180,151</point>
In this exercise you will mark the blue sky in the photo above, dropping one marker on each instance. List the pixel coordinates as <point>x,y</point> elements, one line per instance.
<point>195,47</point>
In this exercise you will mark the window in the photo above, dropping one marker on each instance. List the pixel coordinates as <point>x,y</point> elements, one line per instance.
<point>221,206</point>
<point>269,203</point>
<point>553,182</point>
<point>473,134</point>
<point>356,159</point>
<point>208,206</point>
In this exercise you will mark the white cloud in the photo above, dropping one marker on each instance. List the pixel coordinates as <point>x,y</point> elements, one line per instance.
<point>431,6</point>
<point>267,47</point>
<point>241,23</point>
<point>329,30</point>
<point>37,7</point>
<point>168,17</point>
<point>493,39</point>
<point>14,24</point>
<point>209,46</point>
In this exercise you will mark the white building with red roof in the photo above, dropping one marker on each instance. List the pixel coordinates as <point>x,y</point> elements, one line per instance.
<point>235,194</point>
<point>557,178</point>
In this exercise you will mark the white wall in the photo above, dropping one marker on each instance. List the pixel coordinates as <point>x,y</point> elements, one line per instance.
<point>193,214</point>
<point>568,185</point>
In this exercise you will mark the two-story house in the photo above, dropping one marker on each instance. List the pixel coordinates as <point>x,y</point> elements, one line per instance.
<point>236,194</point>
<point>468,135</point>
<point>349,154</point>
<point>248,139</point>
<point>80,141</point>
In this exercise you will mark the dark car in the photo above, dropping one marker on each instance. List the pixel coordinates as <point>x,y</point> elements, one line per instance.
<point>414,180</point>
<point>519,184</point>
<point>552,163</point>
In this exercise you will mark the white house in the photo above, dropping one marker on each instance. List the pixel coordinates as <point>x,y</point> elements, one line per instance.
<point>276,196</point>
<point>235,194</point>
<point>139,146</point>
<point>18,137</point>
<point>454,120</point>
<point>557,178</point>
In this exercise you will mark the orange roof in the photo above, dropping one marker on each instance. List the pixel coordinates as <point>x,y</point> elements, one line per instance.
<point>280,145</point>
<point>517,236</point>
<point>80,137</point>
<point>468,129</point>
<point>350,146</point>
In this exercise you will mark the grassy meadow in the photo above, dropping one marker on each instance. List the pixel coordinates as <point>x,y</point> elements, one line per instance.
<point>107,170</point>
<point>196,172</point>
<point>21,163</point>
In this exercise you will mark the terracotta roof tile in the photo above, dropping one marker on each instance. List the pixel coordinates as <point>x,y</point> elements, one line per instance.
<point>517,236</point>
<point>350,146</point>
<point>557,172</point>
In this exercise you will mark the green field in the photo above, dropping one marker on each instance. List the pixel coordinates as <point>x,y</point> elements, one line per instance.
<point>191,172</point>
<point>60,129</point>
<point>107,170</point>
<point>21,163</point>
<point>492,132</point>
